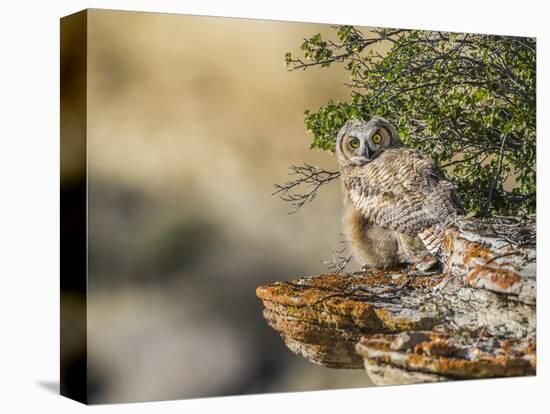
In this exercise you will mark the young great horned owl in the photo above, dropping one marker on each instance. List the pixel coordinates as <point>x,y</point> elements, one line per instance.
<point>397,202</point>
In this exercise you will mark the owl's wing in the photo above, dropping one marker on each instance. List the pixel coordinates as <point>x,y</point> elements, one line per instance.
<point>403,191</point>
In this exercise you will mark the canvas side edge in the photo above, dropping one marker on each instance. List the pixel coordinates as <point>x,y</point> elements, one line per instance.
<point>73,207</point>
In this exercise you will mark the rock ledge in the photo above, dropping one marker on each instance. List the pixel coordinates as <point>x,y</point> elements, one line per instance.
<point>475,319</point>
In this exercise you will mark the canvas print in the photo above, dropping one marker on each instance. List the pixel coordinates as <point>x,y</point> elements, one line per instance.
<point>252,206</point>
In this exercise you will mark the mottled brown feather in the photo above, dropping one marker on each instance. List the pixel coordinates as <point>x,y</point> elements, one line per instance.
<point>401,190</point>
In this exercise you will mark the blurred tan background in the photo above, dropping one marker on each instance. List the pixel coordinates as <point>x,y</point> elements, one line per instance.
<point>191,120</point>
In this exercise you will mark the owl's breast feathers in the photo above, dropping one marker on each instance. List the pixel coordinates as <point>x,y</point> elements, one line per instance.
<point>402,190</point>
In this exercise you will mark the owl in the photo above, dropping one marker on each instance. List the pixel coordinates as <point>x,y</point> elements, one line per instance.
<point>397,202</point>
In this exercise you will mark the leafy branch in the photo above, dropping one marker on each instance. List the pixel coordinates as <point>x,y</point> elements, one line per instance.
<point>466,100</point>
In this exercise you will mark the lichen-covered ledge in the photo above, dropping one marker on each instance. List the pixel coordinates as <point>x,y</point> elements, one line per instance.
<point>433,356</point>
<point>404,326</point>
<point>497,254</point>
<point>323,317</point>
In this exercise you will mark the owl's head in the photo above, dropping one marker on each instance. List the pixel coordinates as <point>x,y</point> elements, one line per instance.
<point>359,142</point>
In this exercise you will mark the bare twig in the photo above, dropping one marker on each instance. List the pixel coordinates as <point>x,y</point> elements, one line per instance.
<point>312,178</point>
<point>517,231</point>
<point>339,260</point>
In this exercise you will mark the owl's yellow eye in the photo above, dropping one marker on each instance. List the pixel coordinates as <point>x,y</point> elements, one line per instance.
<point>377,138</point>
<point>354,143</point>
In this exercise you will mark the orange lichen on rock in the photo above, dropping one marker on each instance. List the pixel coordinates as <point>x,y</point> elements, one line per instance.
<point>448,243</point>
<point>498,255</point>
<point>451,356</point>
<point>498,276</point>
<point>333,311</point>
<point>476,250</point>
<point>409,325</point>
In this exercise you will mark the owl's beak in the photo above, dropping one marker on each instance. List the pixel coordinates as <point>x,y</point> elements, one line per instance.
<point>366,153</point>
<point>364,157</point>
<point>360,160</point>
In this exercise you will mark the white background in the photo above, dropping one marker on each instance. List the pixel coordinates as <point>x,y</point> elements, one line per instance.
<point>29,204</point>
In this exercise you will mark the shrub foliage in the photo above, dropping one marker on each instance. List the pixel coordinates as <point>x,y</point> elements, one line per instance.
<point>466,100</point>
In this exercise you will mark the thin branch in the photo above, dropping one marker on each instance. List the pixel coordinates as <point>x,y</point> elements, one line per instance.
<point>339,260</point>
<point>497,176</point>
<point>309,178</point>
